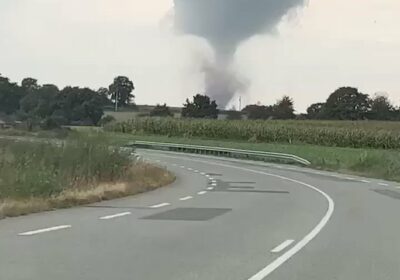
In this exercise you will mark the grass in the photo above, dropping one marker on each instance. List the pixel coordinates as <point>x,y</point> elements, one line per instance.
<point>373,163</point>
<point>144,178</point>
<point>83,169</point>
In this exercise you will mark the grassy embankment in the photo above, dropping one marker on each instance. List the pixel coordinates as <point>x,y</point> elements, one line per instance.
<point>370,149</point>
<point>83,169</point>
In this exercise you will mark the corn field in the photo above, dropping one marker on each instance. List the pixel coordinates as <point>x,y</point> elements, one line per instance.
<point>380,135</point>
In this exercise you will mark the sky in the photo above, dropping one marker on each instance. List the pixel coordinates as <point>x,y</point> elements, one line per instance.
<point>316,49</point>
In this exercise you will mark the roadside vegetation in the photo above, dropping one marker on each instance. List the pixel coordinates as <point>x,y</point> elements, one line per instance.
<point>373,163</point>
<point>37,176</point>
<point>349,132</point>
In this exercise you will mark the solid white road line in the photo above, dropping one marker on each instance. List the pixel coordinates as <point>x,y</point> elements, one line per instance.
<point>115,216</point>
<point>202,192</point>
<point>383,184</point>
<point>282,246</point>
<point>306,239</point>
<point>33,232</point>
<point>160,205</point>
<point>185,198</point>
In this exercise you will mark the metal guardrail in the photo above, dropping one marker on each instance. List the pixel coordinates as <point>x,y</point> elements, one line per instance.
<point>219,151</point>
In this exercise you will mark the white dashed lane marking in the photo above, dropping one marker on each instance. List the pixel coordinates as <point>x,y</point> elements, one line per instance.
<point>383,184</point>
<point>282,246</point>
<point>185,198</point>
<point>115,216</point>
<point>160,205</point>
<point>202,192</point>
<point>33,232</point>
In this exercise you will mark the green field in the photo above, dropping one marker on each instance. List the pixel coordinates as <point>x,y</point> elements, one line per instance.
<point>370,149</point>
<point>362,134</point>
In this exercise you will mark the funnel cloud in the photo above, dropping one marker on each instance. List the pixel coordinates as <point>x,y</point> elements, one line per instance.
<point>225,24</point>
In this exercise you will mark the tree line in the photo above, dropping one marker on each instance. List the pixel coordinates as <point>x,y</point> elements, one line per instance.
<point>345,103</point>
<point>48,106</point>
<point>348,103</point>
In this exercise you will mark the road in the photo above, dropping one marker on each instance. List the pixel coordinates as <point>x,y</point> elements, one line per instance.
<point>221,219</point>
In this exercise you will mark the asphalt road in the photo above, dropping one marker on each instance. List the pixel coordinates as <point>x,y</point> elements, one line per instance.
<point>221,219</point>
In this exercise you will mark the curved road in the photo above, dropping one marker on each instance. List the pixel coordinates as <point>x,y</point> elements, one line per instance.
<point>221,219</point>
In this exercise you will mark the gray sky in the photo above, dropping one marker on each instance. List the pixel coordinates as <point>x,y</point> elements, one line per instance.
<point>327,44</point>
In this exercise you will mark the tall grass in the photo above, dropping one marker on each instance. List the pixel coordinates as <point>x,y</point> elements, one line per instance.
<point>30,169</point>
<point>379,135</point>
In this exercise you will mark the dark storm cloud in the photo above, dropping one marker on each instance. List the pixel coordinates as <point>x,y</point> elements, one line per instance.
<point>227,23</point>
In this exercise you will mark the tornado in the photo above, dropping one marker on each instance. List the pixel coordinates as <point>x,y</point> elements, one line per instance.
<point>225,24</point>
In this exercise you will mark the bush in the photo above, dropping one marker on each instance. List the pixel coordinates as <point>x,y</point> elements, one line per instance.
<point>161,111</point>
<point>106,120</point>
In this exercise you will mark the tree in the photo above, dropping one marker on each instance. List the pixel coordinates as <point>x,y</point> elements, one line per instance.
<point>284,109</point>
<point>161,111</point>
<point>316,111</point>
<point>347,103</point>
<point>40,103</point>
<point>201,107</point>
<point>382,108</point>
<point>29,84</point>
<point>80,105</point>
<point>10,96</point>
<point>258,112</point>
<point>122,87</point>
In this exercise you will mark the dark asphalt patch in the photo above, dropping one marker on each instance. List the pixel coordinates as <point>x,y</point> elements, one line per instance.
<point>116,207</point>
<point>224,186</point>
<point>253,191</point>
<point>390,193</point>
<point>246,183</point>
<point>214,174</point>
<point>189,214</point>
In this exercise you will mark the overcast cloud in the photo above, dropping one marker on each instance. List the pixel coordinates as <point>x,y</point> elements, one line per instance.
<point>327,44</point>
